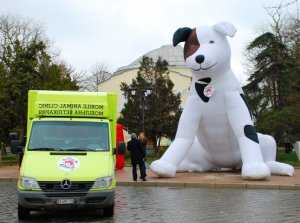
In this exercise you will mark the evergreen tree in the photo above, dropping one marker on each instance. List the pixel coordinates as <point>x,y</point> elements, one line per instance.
<point>267,84</point>
<point>151,104</point>
<point>273,89</point>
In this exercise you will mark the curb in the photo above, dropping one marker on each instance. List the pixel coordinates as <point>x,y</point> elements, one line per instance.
<point>209,185</point>
<point>8,179</point>
<point>196,185</point>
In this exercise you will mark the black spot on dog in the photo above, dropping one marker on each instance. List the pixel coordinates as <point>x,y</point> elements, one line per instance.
<point>245,101</point>
<point>181,35</point>
<point>200,88</point>
<point>250,133</point>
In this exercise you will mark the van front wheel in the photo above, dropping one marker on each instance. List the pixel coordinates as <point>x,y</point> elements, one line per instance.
<point>108,211</point>
<point>23,213</point>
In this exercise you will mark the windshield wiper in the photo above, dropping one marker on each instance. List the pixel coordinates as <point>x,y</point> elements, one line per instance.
<point>46,149</point>
<point>81,149</point>
<point>64,149</point>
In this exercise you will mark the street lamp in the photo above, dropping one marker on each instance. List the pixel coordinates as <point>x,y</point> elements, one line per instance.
<point>143,95</point>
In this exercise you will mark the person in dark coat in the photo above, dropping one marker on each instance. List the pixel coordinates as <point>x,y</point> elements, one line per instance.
<point>137,155</point>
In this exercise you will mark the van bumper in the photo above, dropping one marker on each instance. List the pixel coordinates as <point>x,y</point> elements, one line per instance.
<point>46,200</point>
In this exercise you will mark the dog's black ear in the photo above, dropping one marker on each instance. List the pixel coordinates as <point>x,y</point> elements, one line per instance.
<point>181,35</point>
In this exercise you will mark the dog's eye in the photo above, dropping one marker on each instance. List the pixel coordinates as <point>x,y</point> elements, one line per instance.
<point>211,41</point>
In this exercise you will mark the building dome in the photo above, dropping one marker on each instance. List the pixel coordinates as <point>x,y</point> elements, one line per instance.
<point>174,56</point>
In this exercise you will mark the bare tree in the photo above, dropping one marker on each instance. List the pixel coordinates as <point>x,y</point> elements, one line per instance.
<point>99,73</point>
<point>282,19</point>
<point>14,29</point>
<point>286,24</point>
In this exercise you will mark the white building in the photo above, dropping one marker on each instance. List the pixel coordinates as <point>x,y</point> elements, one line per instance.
<point>178,72</point>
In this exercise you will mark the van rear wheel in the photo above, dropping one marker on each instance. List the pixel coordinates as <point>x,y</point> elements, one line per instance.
<point>108,211</point>
<point>23,213</point>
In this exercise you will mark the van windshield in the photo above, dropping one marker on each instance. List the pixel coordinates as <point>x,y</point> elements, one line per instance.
<point>69,136</point>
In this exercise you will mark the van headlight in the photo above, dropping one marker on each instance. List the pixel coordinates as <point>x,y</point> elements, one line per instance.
<point>102,182</point>
<point>29,183</point>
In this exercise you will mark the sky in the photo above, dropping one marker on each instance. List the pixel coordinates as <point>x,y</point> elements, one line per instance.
<point>116,32</point>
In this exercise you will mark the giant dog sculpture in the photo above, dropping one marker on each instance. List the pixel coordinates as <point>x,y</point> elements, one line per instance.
<point>216,129</point>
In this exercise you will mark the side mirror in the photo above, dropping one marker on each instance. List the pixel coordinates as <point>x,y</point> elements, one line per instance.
<point>13,136</point>
<point>23,143</point>
<point>15,144</point>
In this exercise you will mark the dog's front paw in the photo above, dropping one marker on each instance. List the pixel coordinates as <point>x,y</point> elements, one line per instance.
<point>255,171</point>
<point>163,168</point>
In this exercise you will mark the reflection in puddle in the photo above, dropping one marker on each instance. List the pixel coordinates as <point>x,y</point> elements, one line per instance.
<point>174,205</point>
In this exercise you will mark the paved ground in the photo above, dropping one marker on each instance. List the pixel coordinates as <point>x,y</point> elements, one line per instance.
<point>174,205</point>
<point>8,172</point>
<point>211,179</point>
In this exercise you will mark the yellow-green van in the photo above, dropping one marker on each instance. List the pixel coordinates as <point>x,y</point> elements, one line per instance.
<point>69,157</point>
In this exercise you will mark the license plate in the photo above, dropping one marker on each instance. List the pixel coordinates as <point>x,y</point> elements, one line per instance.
<point>65,201</point>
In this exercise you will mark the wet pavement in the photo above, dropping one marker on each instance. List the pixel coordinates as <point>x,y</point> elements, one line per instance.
<point>166,204</point>
<point>214,179</point>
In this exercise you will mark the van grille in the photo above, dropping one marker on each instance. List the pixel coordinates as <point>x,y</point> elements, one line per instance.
<point>65,194</point>
<point>55,186</point>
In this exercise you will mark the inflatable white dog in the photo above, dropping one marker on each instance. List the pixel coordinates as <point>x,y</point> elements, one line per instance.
<point>216,129</point>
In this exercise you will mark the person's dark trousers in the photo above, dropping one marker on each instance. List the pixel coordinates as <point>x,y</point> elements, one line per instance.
<point>142,168</point>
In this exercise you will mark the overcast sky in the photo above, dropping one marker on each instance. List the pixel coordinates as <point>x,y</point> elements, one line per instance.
<point>116,32</point>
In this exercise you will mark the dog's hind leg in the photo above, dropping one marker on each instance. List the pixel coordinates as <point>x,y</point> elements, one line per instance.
<point>196,160</point>
<point>268,148</point>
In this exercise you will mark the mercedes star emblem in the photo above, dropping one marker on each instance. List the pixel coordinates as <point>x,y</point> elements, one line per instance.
<point>65,184</point>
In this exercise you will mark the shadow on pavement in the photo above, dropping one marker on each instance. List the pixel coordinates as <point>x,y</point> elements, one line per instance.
<point>67,216</point>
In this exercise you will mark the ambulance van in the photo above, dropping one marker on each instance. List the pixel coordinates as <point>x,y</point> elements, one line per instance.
<point>69,156</point>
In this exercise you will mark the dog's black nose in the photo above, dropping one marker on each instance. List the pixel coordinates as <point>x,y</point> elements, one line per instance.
<point>199,59</point>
